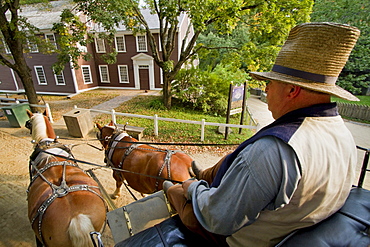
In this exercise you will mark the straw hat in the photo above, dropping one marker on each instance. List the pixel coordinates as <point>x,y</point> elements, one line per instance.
<point>313,57</point>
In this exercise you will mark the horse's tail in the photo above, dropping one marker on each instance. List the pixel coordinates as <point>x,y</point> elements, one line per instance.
<point>79,231</point>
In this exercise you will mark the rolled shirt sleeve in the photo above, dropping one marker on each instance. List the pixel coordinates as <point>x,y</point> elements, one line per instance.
<point>262,177</point>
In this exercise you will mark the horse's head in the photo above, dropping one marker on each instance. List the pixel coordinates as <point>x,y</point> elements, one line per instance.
<point>40,126</point>
<point>105,133</point>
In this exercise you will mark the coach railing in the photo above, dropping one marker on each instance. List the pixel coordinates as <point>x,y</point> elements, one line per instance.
<point>364,167</point>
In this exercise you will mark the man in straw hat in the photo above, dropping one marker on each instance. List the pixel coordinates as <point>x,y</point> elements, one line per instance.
<point>294,172</point>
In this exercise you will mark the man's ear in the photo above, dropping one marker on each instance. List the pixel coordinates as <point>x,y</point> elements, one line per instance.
<point>294,90</point>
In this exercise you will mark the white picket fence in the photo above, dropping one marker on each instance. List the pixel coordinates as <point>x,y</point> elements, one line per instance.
<point>156,119</point>
<point>361,112</point>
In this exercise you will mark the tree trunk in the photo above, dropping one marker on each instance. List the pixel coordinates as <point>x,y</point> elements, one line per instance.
<point>167,95</point>
<point>24,73</point>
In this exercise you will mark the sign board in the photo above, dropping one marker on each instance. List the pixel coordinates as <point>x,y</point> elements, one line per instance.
<point>237,100</point>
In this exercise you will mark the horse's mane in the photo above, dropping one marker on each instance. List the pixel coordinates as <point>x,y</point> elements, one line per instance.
<point>39,129</point>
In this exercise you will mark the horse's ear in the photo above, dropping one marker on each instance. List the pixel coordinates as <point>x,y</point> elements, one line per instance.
<point>98,126</point>
<point>29,113</point>
<point>46,113</point>
<point>111,123</point>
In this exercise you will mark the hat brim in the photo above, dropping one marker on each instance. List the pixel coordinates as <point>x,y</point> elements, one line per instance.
<point>315,86</point>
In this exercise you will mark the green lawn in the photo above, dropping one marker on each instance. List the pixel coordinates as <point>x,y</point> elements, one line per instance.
<point>174,131</point>
<point>364,100</point>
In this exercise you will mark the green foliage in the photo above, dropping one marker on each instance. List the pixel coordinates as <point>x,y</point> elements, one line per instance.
<point>355,76</point>
<point>71,37</point>
<point>207,90</point>
<point>257,37</point>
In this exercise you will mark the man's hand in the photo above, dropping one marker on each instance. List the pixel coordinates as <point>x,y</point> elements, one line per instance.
<point>186,184</point>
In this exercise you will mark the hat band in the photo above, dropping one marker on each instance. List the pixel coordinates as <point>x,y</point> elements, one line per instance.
<point>304,74</point>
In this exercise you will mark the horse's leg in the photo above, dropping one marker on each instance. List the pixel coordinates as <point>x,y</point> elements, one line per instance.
<point>119,180</point>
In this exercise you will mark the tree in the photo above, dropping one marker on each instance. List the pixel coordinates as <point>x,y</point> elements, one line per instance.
<point>257,38</point>
<point>15,34</point>
<point>207,90</point>
<point>355,76</point>
<point>18,35</point>
<point>222,15</point>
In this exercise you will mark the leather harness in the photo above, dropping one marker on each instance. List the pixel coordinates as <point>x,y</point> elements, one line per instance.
<point>117,137</point>
<point>39,155</point>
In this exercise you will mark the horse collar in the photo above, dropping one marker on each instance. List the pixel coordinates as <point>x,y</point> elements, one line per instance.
<point>114,141</point>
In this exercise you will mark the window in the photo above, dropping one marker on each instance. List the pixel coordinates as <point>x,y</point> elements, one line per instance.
<point>59,79</point>
<point>141,43</point>
<point>120,43</point>
<point>86,73</point>
<point>143,66</point>
<point>32,46</point>
<point>40,75</point>
<point>123,74</point>
<point>100,45</point>
<point>104,73</point>
<point>51,38</point>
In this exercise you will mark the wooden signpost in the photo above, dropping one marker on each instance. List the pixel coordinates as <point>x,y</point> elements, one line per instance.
<point>237,104</point>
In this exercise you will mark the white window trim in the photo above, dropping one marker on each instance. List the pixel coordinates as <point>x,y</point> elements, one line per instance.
<point>120,76</point>
<point>83,75</point>
<point>137,44</point>
<point>100,73</point>
<point>31,46</point>
<point>100,48</point>
<point>57,81</point>
<point>38,76</point>
<point>53,41</point>
<point>124,43</point>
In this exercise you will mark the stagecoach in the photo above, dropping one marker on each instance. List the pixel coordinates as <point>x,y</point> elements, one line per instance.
<point>150,221</point>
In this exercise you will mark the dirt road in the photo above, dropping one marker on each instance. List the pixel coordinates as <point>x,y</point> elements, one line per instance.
<point>16,147</point>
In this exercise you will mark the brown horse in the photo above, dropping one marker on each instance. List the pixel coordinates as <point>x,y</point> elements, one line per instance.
<point>122,152</point>
<point>64,203</point>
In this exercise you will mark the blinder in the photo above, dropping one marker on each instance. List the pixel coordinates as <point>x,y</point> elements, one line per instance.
<point>28,125</point>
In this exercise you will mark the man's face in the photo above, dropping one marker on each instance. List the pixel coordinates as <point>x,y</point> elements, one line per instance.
<point>276,92</point>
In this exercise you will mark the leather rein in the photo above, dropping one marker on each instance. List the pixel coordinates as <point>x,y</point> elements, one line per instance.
<point>43,151</point>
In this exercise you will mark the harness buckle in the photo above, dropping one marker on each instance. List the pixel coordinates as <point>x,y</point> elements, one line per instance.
<point>61,191</point>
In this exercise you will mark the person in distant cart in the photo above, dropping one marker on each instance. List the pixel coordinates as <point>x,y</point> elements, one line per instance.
<point>294,172</point>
